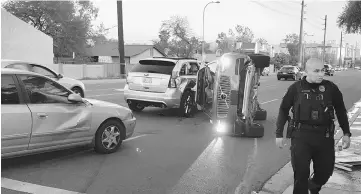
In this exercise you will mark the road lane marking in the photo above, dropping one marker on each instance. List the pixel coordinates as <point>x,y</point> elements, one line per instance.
<point>269,101</point>
<point>135,137</point>
<point>120,90</point>
<point>32,188</point>
<point>246,183</point>
<point>356,123</point>
<point>355,128</point>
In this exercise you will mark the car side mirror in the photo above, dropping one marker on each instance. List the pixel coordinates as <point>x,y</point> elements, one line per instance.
<point>60,76</point>
<point>75,98</point>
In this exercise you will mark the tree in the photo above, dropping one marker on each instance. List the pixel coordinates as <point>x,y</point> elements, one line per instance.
<point>280,60</point>
<point>67,22</point>
<point>176,36</point>
<point>227,42</point>
<point>350,18</point>
<point>291,38</point>
<point>244,34</point>
<point>262,41</point>
<point>292,41</point>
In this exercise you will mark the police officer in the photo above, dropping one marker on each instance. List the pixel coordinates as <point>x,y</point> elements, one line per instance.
<point>313,102</point>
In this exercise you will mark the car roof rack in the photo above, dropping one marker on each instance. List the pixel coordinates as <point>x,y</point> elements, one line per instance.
<point>176,58</point>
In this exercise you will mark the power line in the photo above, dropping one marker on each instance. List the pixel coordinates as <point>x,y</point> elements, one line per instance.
<point>277,11</point>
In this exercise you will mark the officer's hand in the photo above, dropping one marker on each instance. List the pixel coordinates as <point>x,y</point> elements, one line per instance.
<point>279,142</point>
<point>346,141</point>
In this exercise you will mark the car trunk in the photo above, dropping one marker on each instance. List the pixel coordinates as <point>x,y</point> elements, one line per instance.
<point>150,76</point>
<point>287,70</point>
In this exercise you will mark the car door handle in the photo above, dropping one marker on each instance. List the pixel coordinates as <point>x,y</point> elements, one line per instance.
<point>42,115</point>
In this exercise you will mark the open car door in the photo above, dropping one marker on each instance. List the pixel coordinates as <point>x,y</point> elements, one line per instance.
<point>205,88</point>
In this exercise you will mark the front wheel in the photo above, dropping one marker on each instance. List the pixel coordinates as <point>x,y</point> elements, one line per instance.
<point>187,105</point>
<point>109,137</point>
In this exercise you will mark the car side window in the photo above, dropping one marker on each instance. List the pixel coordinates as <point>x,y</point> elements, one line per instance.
<point>9,92</point>
<point>193,69</point>
<point>42,91</point>
<point>185,70</point>
<point>42,71</point>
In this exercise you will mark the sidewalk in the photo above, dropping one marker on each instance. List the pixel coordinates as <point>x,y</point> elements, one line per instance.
<point>341,182</point>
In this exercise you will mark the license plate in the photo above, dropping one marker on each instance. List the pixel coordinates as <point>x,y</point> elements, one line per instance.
<point>147,80</point>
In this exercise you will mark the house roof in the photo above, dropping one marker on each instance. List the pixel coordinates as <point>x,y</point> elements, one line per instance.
<point>111,49</point>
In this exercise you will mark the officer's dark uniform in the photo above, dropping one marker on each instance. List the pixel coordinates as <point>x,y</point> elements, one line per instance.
<point>313,108</point>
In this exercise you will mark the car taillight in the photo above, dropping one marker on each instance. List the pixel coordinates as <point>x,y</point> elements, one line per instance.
<point>172,83</point>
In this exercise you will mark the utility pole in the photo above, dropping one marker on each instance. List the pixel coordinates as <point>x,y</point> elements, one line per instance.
<point>340,60</point>
<point>324,42</point>
<point>120,37</point>
<point>301,37</point>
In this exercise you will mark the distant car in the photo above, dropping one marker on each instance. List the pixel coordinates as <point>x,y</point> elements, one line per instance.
<point>289,71</point>
<point>162,82</point>
<point>266,71</point>
<point>40,115</point>
<point>358,68</point>
<point>70,83</point>
<point>329,70</point>
<point>337,68</point>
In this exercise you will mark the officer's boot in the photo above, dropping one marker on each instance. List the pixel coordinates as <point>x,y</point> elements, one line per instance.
<point>313,187</point>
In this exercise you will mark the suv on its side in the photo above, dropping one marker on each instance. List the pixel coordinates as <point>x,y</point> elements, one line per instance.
<point>162,82</point>
<point>289,71</point>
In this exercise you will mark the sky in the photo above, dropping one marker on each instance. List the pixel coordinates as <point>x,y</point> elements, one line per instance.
<point>271,20</point>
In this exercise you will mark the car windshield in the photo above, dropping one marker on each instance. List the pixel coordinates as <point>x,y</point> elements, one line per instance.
<point>154,66</point>
<point>287,69</point>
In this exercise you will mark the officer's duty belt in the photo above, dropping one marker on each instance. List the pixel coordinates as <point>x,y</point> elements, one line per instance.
<point>309,126</point>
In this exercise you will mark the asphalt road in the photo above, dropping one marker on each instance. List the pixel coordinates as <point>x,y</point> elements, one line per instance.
<point>170,154</point>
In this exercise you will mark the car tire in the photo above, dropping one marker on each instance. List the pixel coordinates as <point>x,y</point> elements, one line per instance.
<point>136,107</point>
<point>115,130</point>
<point>78,90</point>
<point>187,105</point>
<point>278,78</point>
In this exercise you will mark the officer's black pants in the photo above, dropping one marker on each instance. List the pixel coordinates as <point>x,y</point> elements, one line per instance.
<point>307,145</point>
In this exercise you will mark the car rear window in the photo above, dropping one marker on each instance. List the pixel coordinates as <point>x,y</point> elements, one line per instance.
<point>287,69</point>
<point>154,66</point>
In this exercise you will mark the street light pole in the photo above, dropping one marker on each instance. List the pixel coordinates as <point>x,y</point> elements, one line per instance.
<point>203,29</point>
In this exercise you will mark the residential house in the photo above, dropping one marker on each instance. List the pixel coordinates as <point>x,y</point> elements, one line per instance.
<point>108,53</point>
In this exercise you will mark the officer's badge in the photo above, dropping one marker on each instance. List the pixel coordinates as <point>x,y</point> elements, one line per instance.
<point>322,88</point>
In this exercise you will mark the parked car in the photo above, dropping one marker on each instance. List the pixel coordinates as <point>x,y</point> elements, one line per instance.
<point>162,82</point>
<point>266,71</point>
<point>289,71</point>
<point>40,115</point>
<point>72,84</point>
<point>329,70</point>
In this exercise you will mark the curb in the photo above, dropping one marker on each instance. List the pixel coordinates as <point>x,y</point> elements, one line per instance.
<point>280,181</point>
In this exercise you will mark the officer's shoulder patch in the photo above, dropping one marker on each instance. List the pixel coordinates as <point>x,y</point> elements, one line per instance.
<point>322,88</point>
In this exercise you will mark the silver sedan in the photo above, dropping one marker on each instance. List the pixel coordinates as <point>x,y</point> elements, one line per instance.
<point>40,115</point>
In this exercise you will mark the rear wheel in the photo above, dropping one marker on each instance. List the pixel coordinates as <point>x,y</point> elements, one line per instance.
<point>187,105</point>
<point>136,107</point>
<point>109,137</point>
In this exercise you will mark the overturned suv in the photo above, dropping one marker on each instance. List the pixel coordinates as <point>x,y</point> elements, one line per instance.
<point>162,82</point>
